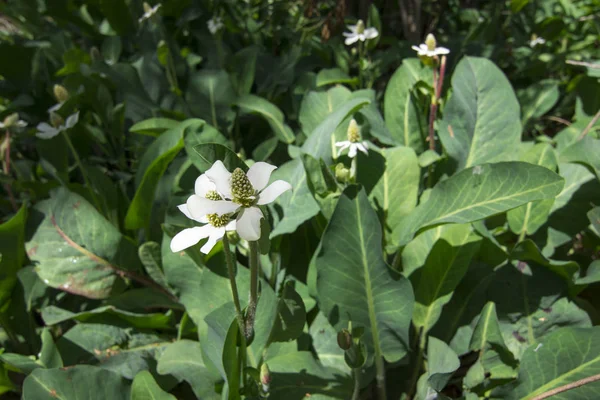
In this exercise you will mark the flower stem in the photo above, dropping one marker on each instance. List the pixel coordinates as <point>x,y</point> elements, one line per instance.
<point>251,310</point>
<point>353,166</point>
<point>234,289</point>
<point>7,187</point>
<point>80,166</point>
<point>433,111</point>
<point>356,392</point>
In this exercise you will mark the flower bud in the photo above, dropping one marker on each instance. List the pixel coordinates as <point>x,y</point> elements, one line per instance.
<point>61,93</point>
<point>353,132</point>
<point>10,120</point>
<point>147,8</point>
<point>430,42</point>
<point>56,120</point>
<point>95,54</point>
<point>265,377</point>
<point>342,174</point>
<point>360,26</point>
<point>344,339</point>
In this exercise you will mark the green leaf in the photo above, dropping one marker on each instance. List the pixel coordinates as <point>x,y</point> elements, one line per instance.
<point>270,112</point>
<point>210,152</point>
<point>528,251</point>
<point>594,217</point>
<point>144,387</point>
<point>481,120</point>
<point>49,356</point>
<point>529,218</point>
<point>118,15</point>
<point>151,258</point>
<point>12,252</point>
<point>184,360</point>
<point>404,116</point>
<point>53,315</point>
<point>76,250</point>
<point>153,165</point>
<point>290,316</point>
<point>441,363</point>
<point>231,363</point>
<point>446,265</point>
<point>79,382</point>
<point>538,99</point>
<point>210,96</point>
<point>324,341</point>
<point>331,76</point>
<point>563,357</point>
<point>297,374</point>
<point>480,192</point>
<point>154,126</point>
<point>395,193</point>
<point>354,282</point>
<point>316,106</point>
<point>584,151</point>
<point>244,69</point>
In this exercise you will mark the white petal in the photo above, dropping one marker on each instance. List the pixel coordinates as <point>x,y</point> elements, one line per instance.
<point>416,48</point>
<point>203,185</point>
<point>273,191</point>
<point>221,178</point>
<point>362,37</point>
<point>183,208</point>
<point>47,132</point>
<point>343,144</point>
<point>348,34</point>
<point>198,206</point>
<point>72,120</point>
<point>351,39</point>
<point>1,125</point>
<point>344,147</point>
<point>442,50</point>
<point>352,152</point>
<point>259,174</point>
<point>214,237</point>
<point>231,226</point>
<point>353,28</point>
<point>55,107</point>
<point>21,124</point>
<point>189,237</point>
<point>371,33</point>
<point>248,223</point>
<point>362,147</point>
<point>424,47</point>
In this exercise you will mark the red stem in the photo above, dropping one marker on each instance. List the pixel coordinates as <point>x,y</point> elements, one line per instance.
<point>433,110</point>
<point>7,187</point>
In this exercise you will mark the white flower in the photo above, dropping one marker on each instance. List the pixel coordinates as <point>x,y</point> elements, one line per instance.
<point>214,24</point>
<point>149,11</point>
<point>242,192</point>
<point>12,121</point>
<point>430,48</point>
<point>359,32</point>
<point>215,226</point>
<point>47,131</point>
<point>536,41</point>
<point>354,141</point>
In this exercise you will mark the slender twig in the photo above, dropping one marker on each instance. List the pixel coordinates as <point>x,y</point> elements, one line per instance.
<point>558,119</point>
<point>568,386</point>
<point>417,368</point>
<point>589,126</point>
<point>234,289</point>
<point>584,64</point>
<point>7,186</point>
<point>251,310</point>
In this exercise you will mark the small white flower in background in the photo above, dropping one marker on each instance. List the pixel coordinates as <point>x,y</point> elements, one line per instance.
<point>354,142</point>
<point>359,32</point>
<point>242,193</point>
<point>429,48</point>
<point>149,11</point>
<point>12,121</point>
<point>538,40</point>
<point>47,131</point>
<point>214,24</point>
<point>215,226</point>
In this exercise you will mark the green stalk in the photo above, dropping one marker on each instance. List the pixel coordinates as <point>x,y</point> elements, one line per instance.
<point>251,310</point>
<point>356,392</point>
<point>234,289</point>
<point>80,166</point>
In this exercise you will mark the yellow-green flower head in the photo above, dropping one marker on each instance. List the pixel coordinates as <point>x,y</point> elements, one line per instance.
<point>431,42</point>
<point>360,26</point>
<point>353,132</point>
<point>354,142</point>
<point>429,49</point>
<point>11,120</point>
<point>61,93</point>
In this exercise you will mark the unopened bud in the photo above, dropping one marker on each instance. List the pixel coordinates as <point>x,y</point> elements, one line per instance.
<point>360,26</point>
<point>56,120</point>
<point>344,339</point>
<point>10,120</point>
<point>353,132</point>
<point>61,93</point>
<point>265,377</point>
<point>430,42</point>
<point>95,54</point>
<point>342,174</point>
<point>147,8</point>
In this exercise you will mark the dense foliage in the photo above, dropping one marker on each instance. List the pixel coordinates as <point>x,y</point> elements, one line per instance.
<point>432,229</point>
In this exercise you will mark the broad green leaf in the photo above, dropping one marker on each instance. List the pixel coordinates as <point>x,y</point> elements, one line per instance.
<point>444,268</point>
<point>270,112</point>
<point>78,382</point>
<point>594,217</point>
<point>298,375</point>
<point>21,363</point>
<point>154,126</point>
<point>231,364</point>
<point>395,193</point>
<point>528,251</point>
<point>584,151</point>
<point>565,356</point>
<point>404,116</point>
<point>480,192</point>
<point>49,356</point>
<point>529,218</point>
<point>592,274</point>
<point>290,316</point>
<point>118,15</point>
<point>12,253</point>
<point>209,153</point>
<point>6,385</point>
<point>210,96</point>
<point>538,99</point>
<point>355,283</point>
<point>53,315</point>
<point>184,360</point>
<point>244,68</point>
<point>153,165</point>
<point>334,76</point>
<point>441,363</point>
<point>481,121</point>
<point>144,387</point>
<point>316,106</point>
<point>150,257</point>
<point>76,250</point>
<point>324,341</point>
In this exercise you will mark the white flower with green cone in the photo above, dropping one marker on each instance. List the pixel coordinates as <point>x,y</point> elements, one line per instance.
<point>47,131</point>
<point>430,48</point>
<point>354,142</point>
<point>359,32</point>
